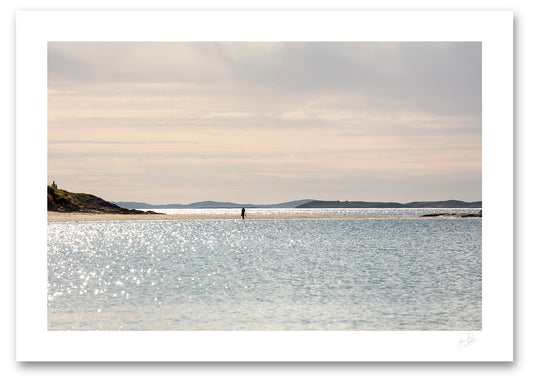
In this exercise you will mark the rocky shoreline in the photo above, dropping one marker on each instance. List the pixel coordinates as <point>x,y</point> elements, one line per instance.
<point>453,215</point>
<point>63,201</point>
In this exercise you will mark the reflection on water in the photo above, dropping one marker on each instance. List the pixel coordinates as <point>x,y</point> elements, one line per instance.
<point>374,212</point>
<point>384,274</point>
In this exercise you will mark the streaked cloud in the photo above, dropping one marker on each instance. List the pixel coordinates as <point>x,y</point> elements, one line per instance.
<point>320,120</point>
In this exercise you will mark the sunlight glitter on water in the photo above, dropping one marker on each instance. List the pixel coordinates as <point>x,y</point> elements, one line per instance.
<point>261,275</point>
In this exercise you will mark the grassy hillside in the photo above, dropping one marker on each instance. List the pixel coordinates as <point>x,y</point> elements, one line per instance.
<point>63,201</point>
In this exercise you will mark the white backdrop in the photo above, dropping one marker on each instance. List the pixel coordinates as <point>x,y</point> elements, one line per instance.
<point>523,180</point>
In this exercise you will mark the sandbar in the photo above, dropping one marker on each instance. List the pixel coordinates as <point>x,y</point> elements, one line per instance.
<point>98,217</point>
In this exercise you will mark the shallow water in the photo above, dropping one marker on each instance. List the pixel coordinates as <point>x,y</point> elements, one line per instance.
<point>369,212</point>
<point>334,274</point>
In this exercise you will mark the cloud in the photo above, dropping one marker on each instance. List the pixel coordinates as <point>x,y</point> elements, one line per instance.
<point>309,114</point>
<point>431,77</point>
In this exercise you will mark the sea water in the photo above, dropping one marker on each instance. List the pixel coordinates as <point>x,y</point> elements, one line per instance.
<point>367,212</point>
<point>323,274</point>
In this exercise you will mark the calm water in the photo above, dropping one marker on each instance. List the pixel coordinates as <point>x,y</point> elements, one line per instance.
<point>335,274</point>
<point>374,212</point>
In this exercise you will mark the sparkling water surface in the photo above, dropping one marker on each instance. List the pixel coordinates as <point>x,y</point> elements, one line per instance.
<point>326,274</point>
<point>368,212</point>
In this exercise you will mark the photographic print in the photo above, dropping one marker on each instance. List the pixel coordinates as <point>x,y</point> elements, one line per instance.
<point>219,189</point>
<point>264,186</point>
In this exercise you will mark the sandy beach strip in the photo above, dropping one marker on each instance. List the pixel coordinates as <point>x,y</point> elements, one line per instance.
<point>96,217</point>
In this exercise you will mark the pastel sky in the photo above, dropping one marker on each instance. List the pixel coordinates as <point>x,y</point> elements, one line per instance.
<point>266,122</point>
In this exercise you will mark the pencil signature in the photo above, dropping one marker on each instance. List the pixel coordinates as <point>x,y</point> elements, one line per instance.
<point>467,341</point>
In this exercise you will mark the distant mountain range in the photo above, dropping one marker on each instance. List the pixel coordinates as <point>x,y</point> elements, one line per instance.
<point>306,204</point>
<point>209,205</point>
<point>64,201</point>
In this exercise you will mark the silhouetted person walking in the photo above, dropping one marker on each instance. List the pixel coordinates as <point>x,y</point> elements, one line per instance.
<point>243,213</point>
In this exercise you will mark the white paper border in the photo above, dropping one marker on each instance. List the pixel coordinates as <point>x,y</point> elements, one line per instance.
<point>35,29</point>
